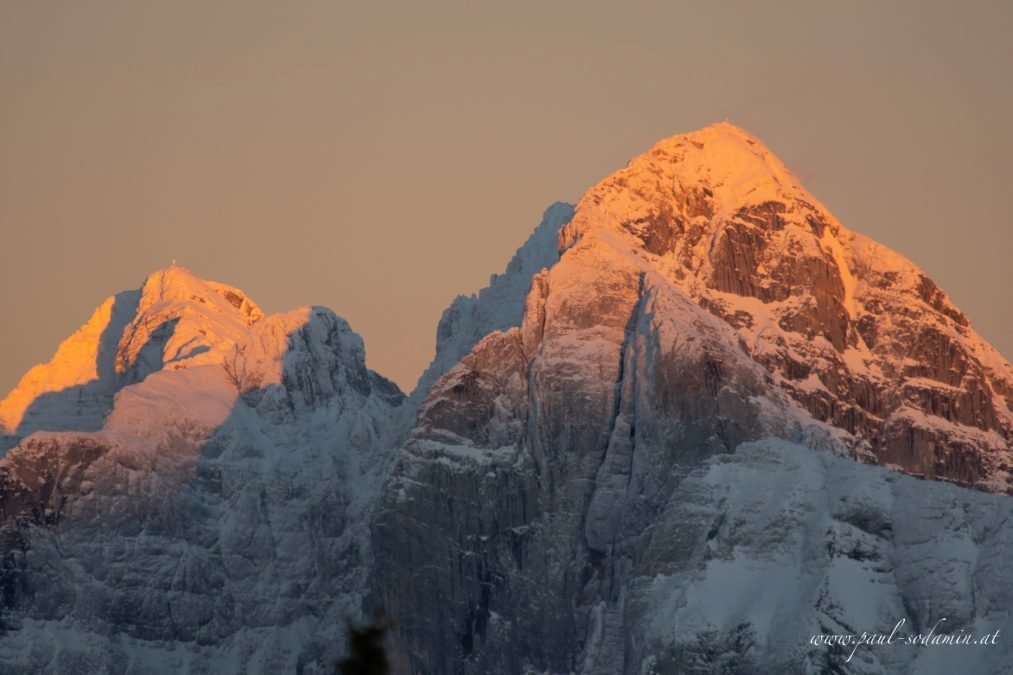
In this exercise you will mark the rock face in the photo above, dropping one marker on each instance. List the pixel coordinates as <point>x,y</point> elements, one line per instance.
<point>672,438</point>
<point>702,300</point>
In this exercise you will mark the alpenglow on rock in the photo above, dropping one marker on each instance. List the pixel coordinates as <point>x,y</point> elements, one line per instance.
<point>683,433</point>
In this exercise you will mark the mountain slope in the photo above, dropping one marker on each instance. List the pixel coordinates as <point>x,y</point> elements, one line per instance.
<point>703,301</point>
<point>191,481</point>
<point>855,333</point>
<point>215,521</point>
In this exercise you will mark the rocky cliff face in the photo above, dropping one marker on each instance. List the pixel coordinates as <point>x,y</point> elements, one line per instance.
<point>634,452</point>
<point>702,300</point>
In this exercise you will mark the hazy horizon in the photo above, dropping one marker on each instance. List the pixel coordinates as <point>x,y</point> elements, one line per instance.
<point>381,162</point>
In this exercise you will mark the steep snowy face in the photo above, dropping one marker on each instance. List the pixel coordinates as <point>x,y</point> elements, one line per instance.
<point>702,300</point>
<point>214,519</point>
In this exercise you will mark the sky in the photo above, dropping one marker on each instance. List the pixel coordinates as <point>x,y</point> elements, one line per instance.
<point>380,158</point>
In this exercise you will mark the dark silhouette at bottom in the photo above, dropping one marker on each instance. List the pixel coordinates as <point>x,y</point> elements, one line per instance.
<point>366,654</point>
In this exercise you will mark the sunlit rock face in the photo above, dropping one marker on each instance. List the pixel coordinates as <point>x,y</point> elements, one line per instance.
<point>853,332</point>
<point>702,300</point>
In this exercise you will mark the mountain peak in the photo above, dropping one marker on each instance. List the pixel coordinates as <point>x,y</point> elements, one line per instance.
<point>694,183</point>
<point>715,133</point>
<point>716,208</point>
<point>177,284</point>
<point>726,128</point>
<point>856,335</point>
<point>727,159</point>
<point>175,319</point>
<point>172,278</point>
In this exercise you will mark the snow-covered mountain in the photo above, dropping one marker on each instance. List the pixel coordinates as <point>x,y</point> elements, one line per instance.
<point>670,438</point>
<point>577,485</point>
<point>215,521</point>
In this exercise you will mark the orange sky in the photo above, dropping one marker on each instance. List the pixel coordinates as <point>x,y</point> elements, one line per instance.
<point>380,159</point>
